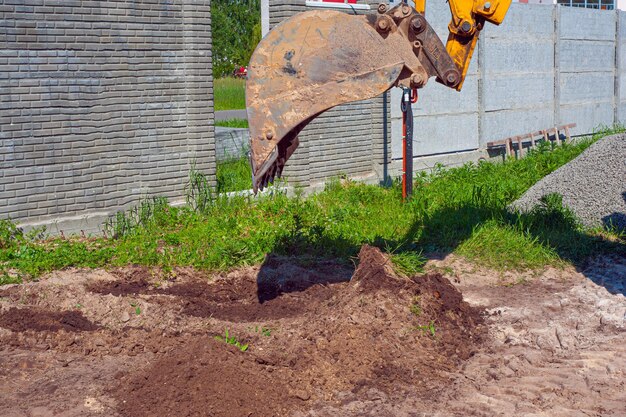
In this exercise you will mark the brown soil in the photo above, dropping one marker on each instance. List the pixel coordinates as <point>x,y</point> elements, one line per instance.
<point>328,339</point>
<point>22,319</point>
<point>127,343</point>
<point>204,377</point>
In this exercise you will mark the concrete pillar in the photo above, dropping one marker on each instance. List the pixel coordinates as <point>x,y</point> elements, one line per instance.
<point>265,17</point>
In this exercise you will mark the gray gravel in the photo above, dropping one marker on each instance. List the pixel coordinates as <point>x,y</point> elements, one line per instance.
<point>593,185</point>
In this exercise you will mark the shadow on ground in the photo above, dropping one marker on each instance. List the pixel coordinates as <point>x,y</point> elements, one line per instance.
<point>287,274</point>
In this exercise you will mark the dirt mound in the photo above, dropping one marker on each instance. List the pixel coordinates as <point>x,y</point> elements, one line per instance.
<point>314,336</point>
<point>435,304</point>
<point>374,271</point>
<point>377,333</point>
<point>23,319</point>
<point>322,340</point>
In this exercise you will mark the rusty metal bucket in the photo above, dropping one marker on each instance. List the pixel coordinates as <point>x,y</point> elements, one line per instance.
<point>319,59</point>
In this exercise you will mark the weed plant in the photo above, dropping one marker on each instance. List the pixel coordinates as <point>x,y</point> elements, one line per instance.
<point>427,328</point>
<point>462,210</point>
<point>232,340</point>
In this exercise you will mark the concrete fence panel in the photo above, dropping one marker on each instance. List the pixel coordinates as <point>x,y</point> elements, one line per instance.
<point>545,65</point>
<point>444,119</point>
<point>586,65</point>
<point>517,72</point>
<point>620,75</point>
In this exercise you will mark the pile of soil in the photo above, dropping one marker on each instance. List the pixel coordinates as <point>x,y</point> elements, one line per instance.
<point>346,338</point>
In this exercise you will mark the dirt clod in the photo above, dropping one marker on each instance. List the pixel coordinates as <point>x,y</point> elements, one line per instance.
<point>22,319</point>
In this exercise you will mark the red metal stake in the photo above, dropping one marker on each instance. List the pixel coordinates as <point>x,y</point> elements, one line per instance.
<point>407,166</point>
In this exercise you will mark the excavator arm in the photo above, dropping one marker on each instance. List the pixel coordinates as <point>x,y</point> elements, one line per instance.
<point>468,18</point>
<point>319,59</point>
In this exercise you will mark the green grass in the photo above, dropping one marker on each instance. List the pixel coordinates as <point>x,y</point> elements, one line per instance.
<point>461,210</point>
<point>229,93</point>
<point>238,123</point>
<point>234,175</point>
<point>428,328</point>
<point>503,246</point>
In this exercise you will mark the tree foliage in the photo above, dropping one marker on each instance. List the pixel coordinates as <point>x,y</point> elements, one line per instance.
<point>236,32</point>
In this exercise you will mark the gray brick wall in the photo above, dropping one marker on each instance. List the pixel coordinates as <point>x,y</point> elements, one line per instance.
<point>101,103</point>
<point>350,139</point>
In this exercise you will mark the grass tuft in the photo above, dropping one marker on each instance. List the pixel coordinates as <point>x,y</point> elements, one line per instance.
<point>231,340</point>
<point>504,247</point>
<point>198,191</point>
<point>408,263</point>
<point>10,234</point>
<point>234,175</point>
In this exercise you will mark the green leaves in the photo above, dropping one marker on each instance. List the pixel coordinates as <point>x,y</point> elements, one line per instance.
<point>231,340</point>
<point>10,234</point>
<point>234,175</point>
<point>428,328</point>
<point>236,28</point>
<point>137,308</point>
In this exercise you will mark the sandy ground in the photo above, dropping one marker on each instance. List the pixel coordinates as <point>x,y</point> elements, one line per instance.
<point>323,340</point>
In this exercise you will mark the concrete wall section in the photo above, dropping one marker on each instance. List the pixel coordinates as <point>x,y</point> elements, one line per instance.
<point>517,73</point>
<point>620,60</point>
<point>231,143</point>
<point>445,120</point>
<point>545,65</point>
<point>586,67</point>
<point>101,103</point>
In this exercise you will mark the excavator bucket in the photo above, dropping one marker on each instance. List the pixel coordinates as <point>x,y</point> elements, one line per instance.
<point>320,59</point>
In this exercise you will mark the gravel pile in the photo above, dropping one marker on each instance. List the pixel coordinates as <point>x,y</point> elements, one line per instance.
<point>593,185</point>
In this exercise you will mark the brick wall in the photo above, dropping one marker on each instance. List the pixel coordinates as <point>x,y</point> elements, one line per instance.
<point>350,139</point>
<point>101,103</point>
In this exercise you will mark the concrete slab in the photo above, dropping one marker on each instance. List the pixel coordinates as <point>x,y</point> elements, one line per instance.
<point>231,114</point>
<point>231,142</point>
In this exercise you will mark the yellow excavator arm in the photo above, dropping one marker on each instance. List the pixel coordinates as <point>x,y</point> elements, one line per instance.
<point>468,18</point>
<point>319,59</point>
